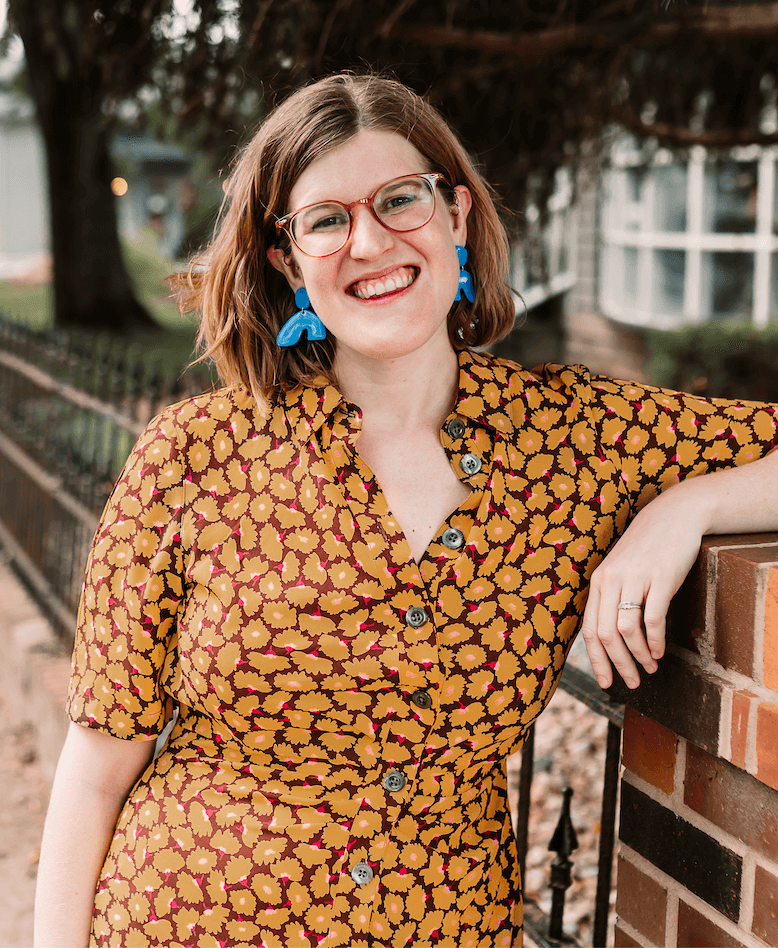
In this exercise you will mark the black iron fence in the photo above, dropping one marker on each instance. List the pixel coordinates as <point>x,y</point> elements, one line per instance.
<point>546,929</point>
<point>71,407</point>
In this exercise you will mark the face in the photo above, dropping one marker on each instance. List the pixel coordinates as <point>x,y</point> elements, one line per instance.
<point>384,295</point>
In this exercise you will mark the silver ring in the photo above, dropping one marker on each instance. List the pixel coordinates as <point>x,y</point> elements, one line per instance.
<point>630,605</point>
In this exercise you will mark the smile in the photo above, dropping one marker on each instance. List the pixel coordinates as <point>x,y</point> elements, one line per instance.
<point>398,279</point>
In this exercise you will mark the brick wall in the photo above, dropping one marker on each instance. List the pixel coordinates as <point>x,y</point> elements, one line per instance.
<point>698,864</point>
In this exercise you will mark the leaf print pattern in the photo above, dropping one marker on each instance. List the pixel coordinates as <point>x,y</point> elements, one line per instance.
<point>335,775</point>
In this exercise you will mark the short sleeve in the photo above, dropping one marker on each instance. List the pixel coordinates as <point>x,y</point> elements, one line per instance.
<point>133,588</point>
<point>657,437</point>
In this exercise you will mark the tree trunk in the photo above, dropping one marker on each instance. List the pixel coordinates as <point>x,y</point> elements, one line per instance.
<point>91,286</point>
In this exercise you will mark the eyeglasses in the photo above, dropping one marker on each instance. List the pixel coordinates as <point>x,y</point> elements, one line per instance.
<point>400,205</point>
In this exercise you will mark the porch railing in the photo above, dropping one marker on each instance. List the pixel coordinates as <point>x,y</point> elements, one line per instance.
<point>547,929</point>
<point>71,407</point>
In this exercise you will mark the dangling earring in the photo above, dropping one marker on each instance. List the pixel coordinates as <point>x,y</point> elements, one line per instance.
<point>465,279</point>
<point>304,320</point>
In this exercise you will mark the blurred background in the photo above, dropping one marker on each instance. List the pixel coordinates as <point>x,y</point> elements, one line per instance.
<point>631,144</point>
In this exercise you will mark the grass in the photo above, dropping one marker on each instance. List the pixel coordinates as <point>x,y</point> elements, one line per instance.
<point>171,349</point>
<point>31,305</point>
<point>148,269</point>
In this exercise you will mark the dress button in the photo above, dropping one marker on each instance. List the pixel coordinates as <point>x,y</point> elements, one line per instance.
<point>456,427</point>
<point>422,699</point>
<point>361,873</point>
<point>470,464</point>
<point>453,538</point>
<point>394,781</point>
<point>415,617</point>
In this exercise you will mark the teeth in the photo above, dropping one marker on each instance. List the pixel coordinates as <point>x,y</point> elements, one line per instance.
<point>399,280</point>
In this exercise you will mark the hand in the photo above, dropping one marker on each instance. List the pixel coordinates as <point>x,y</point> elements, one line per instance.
<point>646,566</point>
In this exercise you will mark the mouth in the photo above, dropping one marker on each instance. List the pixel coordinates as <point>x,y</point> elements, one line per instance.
<point>392,282</point>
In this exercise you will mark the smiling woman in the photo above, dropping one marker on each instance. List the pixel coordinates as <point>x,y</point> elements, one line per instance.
<point>356,569</point>
<point>306,153</point>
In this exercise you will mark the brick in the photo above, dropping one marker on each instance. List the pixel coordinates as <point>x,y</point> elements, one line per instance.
<point>767,744</point>
<point>641,901</point>
<point>771,630</point>
<point>765,923</point>
<point>741,712</point>
<point>737,577</point>
<point>695,860</point>
<point>735,610</point>
<point>731,540</point>
<point>684,699</point>
<point>686,615</point>
<point>732,799</point>
<point>697,931</point>
<point>622,940</point>
<point>649,750</point>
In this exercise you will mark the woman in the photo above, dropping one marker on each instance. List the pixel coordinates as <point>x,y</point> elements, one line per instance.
<point>357,568</point>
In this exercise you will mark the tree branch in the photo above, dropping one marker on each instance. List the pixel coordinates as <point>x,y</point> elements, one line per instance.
<point>750,21</point>
<point>679,137</point>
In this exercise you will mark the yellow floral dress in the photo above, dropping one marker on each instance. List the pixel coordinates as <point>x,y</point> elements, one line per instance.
<point>335,775</point>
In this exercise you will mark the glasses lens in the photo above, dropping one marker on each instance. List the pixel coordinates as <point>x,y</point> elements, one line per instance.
<point>321,230</point>
<point>405,204</point>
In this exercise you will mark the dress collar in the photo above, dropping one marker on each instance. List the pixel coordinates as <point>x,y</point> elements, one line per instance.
<point>486,388</point>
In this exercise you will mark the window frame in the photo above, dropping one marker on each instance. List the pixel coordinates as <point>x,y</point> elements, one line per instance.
<point>762,244</point>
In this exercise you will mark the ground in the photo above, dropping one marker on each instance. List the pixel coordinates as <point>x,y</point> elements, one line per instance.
<point>24,795</point>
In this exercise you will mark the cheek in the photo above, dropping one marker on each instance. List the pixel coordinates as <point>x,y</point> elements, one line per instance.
<point>319,282</point>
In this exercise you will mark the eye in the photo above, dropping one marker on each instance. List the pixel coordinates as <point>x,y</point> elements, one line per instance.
<point>320,219</point>
<point>401,196</point>
<point>328,221</point>
<point>397,202</point>
<point>400,200</point>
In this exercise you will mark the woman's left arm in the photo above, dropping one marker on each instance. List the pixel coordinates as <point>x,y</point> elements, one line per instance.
<point>650,561</point>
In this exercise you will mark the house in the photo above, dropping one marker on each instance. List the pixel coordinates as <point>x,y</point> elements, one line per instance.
<point>151,188</point>
<point>24,237</point>
<point>667,241</point>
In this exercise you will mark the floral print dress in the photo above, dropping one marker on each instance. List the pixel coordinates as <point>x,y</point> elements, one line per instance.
<point>335,775</point>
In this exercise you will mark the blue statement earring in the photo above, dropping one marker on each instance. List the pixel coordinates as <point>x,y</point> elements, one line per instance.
<point>465,279</point>
<point>304,320</point>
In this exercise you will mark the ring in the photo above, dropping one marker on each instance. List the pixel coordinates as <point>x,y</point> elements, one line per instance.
<point>630,605</point>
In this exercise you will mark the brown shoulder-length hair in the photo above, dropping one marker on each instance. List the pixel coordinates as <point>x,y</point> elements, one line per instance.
<point>243,300</point>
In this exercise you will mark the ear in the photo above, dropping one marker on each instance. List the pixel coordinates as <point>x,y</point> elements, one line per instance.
<point>285,264</point>
<point>463,201</point>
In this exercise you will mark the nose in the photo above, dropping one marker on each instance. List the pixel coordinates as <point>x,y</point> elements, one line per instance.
<point>369,238</point>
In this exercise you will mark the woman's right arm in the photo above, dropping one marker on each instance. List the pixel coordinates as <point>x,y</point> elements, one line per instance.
<point>94,776</point>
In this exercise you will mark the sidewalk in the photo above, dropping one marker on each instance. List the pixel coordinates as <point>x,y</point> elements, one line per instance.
<point>33,682</point>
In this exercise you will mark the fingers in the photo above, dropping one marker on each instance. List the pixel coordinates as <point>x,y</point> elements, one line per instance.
<point>621,637</point>
<point>654,622</point>
<point>601,665</point>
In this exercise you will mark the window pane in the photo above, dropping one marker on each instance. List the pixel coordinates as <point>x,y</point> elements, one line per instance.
<point>624,196</point>
<point>730,197</point>
<point>775,204</point>
<point>630,275</point>
<point>669,274</point>
<point>670,198</point>
<point>727,284</point>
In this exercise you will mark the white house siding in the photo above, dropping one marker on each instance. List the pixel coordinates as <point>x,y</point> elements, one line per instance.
<point>590,338</point>
<point>23,211</point>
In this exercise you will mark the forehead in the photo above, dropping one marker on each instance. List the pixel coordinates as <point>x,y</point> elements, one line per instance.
<point>356,168</point>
